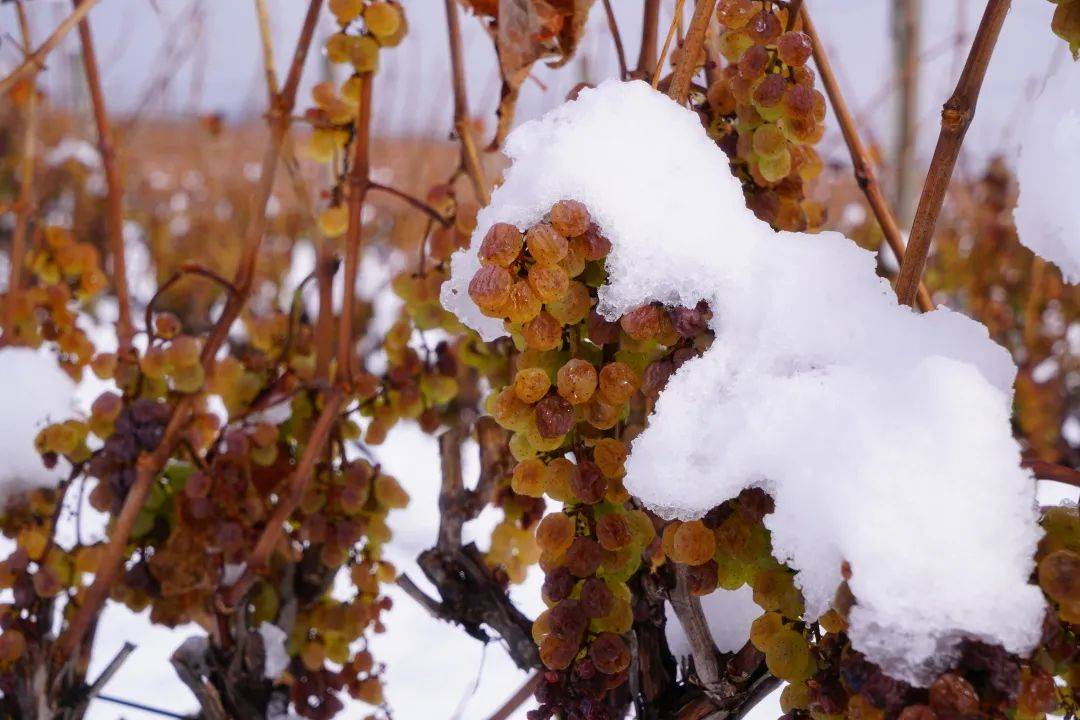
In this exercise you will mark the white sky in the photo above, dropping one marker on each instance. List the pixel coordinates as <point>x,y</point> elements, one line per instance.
<point>220,71</point>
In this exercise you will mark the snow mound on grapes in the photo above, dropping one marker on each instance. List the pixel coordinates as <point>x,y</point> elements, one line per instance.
<point>1048,214</point>
<point>34,391</point>
<point>883,436</point>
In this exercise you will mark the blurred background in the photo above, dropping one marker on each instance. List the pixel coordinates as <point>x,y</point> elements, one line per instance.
<point>185,87</point>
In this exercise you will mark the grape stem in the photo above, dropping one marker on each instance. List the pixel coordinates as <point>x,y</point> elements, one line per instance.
<point>691,51</point>
<point>470,158</point>
<point>956,117</point>
<point>150,464</point>
<point>359,182</point>
<point>860,159</point>
<point>667,43</point>
<point>114,186</point>
<point>688,610</point>
<point>620,52</point>
<point>650,27</point>
<point>471,596</point>
<point>35,61</point>
<point>523,693</point>
<point>1049,471</point>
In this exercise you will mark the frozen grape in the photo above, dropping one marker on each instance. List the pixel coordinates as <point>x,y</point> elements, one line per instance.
<point>617,382</point>
<point>794,48</point>
<point>609,653</point>
<point>555,533</point>
<point>554,417</point>
<point>576,381</point>
<point>613,531</point>
<point>583,557</point>
<point>588,483</point>
<point>546,246</point>
<point>570,218</point>
<point>531,384</point>
<point>543,332</point>
<point>501,245</point>
<point>693,544</point>
<point>522,304</point>
<point>572,307</point>
<point>528,478</point>
<point>610,455</point>
<point>490,288</point>
<point>549,282</point>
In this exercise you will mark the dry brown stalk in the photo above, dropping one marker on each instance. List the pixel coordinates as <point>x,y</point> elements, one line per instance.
<point>287,503</point>
<point>358,183</point>
<point>667,43</point>
<point>35,61</point>
<point>650,26</point>
<point>691,51</point>
<point>860,159</point>
<point>956,117</point>
<point>114,196</point>
<point>620,52</point>
<point>1049,471</point>
<point>470,157</point>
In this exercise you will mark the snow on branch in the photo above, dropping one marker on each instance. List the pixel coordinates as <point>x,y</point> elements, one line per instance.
<point>883,436</point>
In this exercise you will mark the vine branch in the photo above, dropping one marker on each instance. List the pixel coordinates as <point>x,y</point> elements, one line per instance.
<point>860,159</point>
<point>35,61</point>
<point>691,51</point>
<point>956,117</point>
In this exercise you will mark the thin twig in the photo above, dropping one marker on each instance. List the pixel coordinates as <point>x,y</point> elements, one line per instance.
<point>860,159</point>
<point>688,610</point>
<point>620,52</point>
<point>955,119</point>
<point>358,183</point>
<point>36,60</point>
<point>149,465</point>
<point>470,157</point>
<point>523,693</point>
<point>667,43</point>
<point>650,27</point>
<point>24,204</point>
<point>793,13</point>
<point>114,186</point>
<point>301,478</point>
<point>412,200</point>
<point>110,670</point>
<point>184,271</point>
<point>145,708</point>
<point>691,50</point>
<point>1049,471</point>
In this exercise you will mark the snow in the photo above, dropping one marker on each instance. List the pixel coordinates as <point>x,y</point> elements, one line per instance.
<point>729,614</point>
<point>277,656</point>
<point>1047,214</point>
<point>35,392</point>
<point>883,435</point>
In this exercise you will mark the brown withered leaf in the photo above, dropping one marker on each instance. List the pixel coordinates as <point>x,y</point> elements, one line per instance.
<point>525,31</point>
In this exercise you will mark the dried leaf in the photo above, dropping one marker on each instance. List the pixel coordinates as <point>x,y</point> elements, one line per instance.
<point>526,31</point>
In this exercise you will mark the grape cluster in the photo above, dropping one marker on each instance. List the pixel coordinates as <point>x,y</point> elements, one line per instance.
<point>67,273</point>
<point>580,390</point>
<point>765,113</point>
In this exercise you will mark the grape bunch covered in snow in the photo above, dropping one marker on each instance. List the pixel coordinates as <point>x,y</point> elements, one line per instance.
<point>800,432</point>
